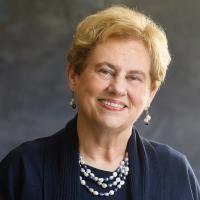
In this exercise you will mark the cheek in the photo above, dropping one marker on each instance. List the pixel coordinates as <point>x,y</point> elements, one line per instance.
<point>91,86</point>
<point>138,97</point>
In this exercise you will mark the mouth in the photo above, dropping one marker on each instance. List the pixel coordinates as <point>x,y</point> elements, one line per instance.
<point>112,104</point>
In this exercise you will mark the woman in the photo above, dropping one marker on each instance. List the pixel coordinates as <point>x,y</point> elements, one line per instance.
<point>117,62</point>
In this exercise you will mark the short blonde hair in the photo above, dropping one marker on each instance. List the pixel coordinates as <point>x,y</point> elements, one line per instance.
<point>123,22</point>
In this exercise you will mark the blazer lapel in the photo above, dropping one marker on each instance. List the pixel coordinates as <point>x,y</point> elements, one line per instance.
<point>61,171</point>
<point>136,169</point>
<point>145,177</point>
<point>70,182</point>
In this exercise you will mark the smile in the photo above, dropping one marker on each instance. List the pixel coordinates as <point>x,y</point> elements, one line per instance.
<point>112,104</point>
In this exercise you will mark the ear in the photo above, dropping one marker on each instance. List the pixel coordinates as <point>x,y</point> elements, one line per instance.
<point>153,92</point>
<point>72,77</point>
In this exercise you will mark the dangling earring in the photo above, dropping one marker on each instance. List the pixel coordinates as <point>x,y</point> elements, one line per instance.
<point>72,101</point>
<point>147,117</point>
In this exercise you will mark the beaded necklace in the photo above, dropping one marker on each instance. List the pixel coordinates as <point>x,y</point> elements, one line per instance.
<point>109,185</point>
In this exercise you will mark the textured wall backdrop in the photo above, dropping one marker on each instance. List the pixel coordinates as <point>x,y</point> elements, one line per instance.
<point>34,37</point>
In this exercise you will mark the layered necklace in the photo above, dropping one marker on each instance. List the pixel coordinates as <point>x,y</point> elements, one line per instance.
<point>108,185</point>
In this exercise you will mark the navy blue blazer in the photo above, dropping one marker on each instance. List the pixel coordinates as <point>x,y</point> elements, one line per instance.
<point>48,169</point>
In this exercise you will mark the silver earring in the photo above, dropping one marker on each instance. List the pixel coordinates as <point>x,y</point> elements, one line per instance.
<point>147,117</point>
<point>72,101</point>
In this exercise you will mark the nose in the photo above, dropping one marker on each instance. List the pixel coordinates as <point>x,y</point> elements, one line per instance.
<point>117,86</point>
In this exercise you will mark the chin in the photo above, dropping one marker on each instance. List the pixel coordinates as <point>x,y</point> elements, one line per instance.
<point>114,122</point>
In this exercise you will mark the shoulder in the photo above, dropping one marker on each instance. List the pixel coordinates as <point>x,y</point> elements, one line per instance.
<point>34,148</point>
<point>167,157</point>
<point>175,169</point>
<point>164,153</point>
<point>22,169</point>
<point>28,158</point>
<point>160,156</point>
<point>38,146</point>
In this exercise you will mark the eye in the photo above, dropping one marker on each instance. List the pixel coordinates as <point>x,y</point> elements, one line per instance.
<point>106,72</point>
<point>134,78</point>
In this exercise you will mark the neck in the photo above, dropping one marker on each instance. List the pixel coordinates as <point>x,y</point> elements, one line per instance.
<point>102,148</point>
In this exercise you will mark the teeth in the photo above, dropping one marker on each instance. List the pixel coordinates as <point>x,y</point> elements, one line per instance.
<point>115,105</point>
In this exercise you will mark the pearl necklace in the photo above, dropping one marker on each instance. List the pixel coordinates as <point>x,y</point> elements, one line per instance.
<point>110,184</point>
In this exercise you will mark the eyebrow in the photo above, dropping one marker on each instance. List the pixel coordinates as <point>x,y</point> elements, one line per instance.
<point>114,68</point>
<point>137,72</point>
<point>106,63</point>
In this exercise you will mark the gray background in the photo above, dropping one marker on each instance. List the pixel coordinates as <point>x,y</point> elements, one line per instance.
<point>34,38</point>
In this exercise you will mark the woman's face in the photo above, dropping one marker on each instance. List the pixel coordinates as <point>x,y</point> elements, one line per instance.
<point>115,86</point>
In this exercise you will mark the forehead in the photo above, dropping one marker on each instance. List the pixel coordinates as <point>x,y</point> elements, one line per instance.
<point>120,52</point>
